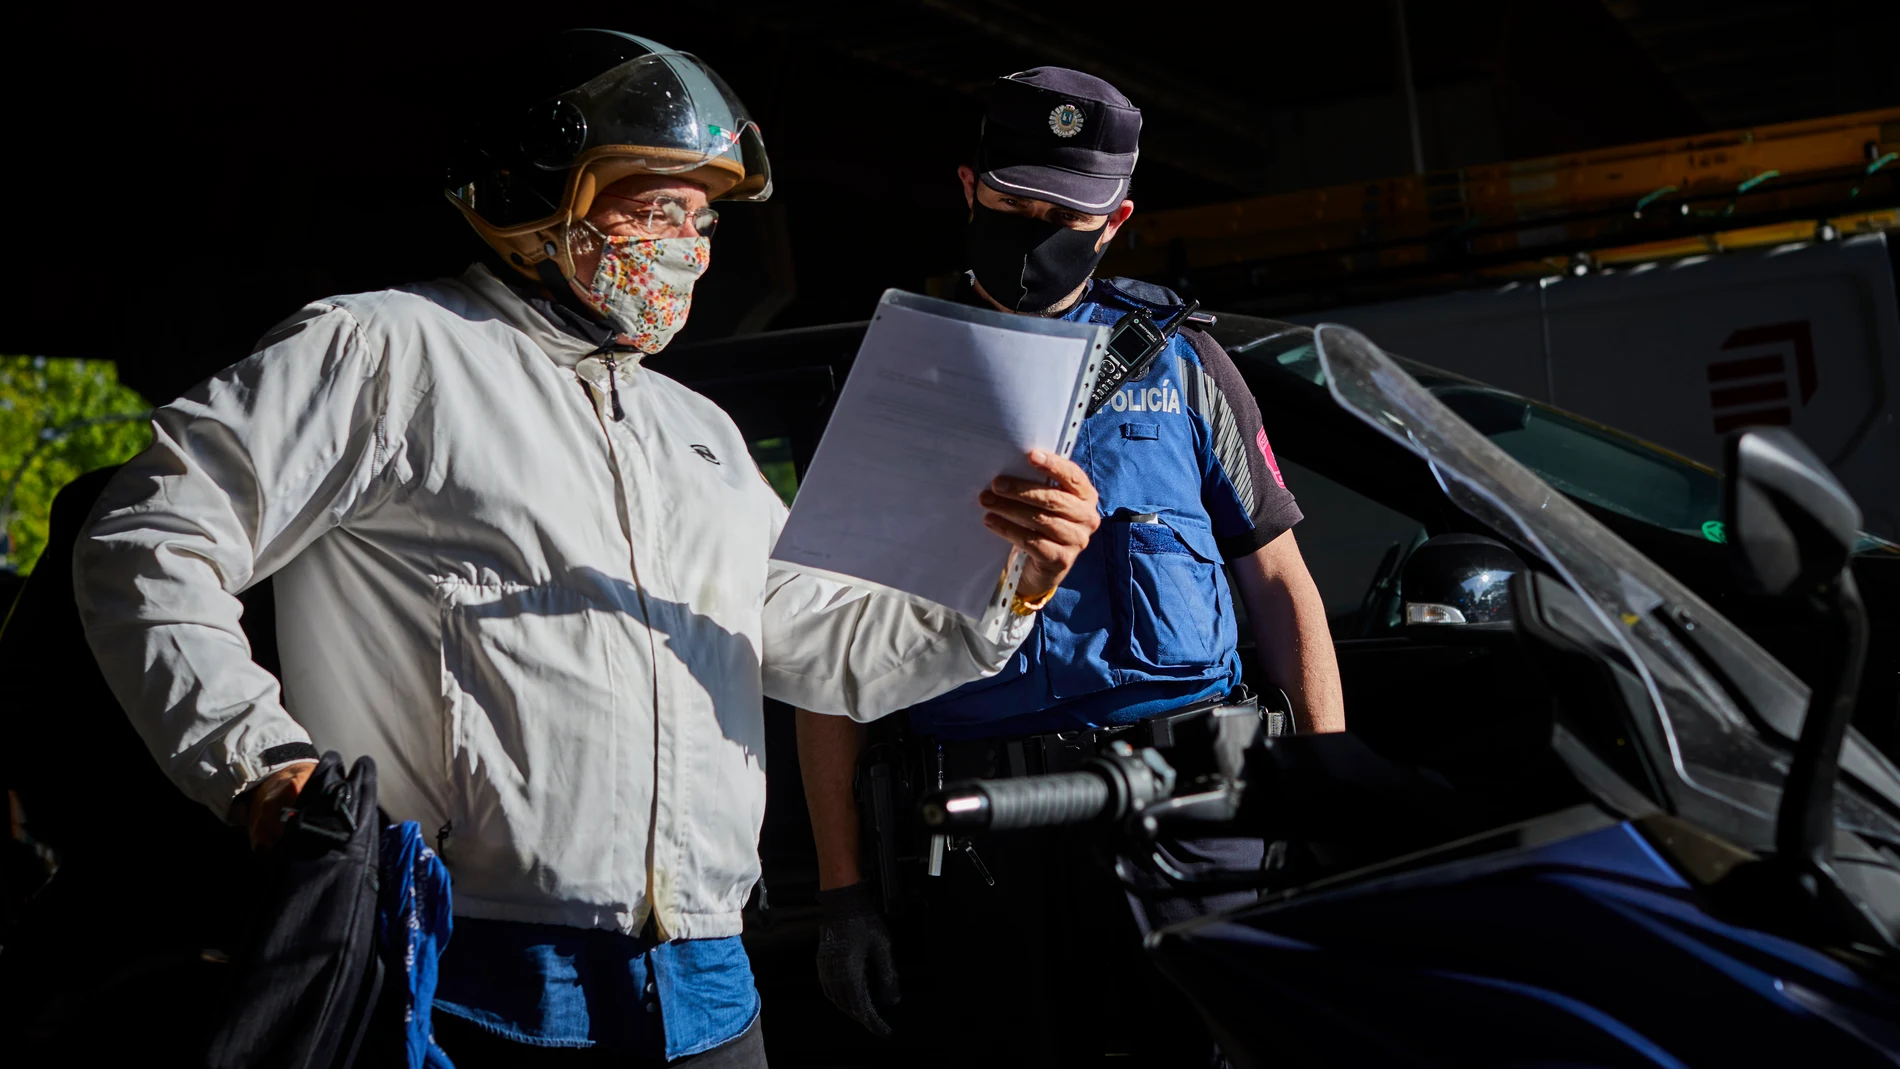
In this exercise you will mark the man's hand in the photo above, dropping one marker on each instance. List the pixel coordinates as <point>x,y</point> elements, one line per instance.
<point>1049,520</point>
<point>263,805</point>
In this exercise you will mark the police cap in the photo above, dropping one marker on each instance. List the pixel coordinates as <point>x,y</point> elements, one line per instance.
<point>1059,135</point>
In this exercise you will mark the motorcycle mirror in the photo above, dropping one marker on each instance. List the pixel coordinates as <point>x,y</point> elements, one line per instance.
<point>1792,522</point>
<point>1794,527</point>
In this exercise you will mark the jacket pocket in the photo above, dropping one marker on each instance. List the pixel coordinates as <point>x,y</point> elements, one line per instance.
<point>1169,593</point>
<point>532,733</point>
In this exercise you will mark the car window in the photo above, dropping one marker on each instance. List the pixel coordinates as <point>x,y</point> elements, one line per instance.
<point>1298,356</point>
<point>1346,539</point>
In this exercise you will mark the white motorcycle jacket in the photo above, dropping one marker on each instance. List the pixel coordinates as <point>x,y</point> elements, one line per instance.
<point>552,629</point>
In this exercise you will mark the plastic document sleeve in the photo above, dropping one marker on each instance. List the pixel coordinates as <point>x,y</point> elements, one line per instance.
<point>941,399</point>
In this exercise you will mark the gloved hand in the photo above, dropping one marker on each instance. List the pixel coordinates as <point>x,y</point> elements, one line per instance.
<point>854,957</point>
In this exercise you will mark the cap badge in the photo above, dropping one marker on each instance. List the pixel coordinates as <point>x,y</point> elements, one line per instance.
<point>1066,120</point>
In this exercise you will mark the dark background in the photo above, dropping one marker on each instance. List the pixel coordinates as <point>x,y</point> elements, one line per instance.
<point>179,181</point>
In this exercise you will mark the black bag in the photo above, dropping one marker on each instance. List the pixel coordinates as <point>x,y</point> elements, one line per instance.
<point>306,989</point>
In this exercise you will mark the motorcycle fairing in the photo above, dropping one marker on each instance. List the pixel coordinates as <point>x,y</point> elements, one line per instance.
<point>1590,949</point>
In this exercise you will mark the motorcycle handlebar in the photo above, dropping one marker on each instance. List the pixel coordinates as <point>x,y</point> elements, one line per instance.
<point>1313,787</point>
<point>1025,802</point>
<point>1109,787</point>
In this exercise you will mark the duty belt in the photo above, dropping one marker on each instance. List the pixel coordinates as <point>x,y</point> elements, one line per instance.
<point>1066,751</point>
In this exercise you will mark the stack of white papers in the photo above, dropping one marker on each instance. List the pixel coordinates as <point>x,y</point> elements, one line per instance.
<point>941,399</point>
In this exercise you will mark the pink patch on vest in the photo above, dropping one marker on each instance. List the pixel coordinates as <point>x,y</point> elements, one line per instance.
<point>1266,451</point>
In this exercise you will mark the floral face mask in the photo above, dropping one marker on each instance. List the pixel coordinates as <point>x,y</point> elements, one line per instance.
<point>645,285</point>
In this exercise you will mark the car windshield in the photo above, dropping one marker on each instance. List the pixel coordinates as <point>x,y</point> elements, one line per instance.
<point>1592,463</point>
<point>1700,734</point>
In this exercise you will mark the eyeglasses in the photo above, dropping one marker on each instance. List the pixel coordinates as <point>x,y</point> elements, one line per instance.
<point>661,217</point>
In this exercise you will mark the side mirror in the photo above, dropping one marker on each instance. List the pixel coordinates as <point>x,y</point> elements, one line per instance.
<point>1793,524</point>
<point>1460,580</point>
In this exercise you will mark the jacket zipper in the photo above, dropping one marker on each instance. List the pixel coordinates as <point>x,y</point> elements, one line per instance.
<point>613,386</point>
<point>609,359</point>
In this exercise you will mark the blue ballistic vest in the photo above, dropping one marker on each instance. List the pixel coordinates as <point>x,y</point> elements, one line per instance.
<point>1144,623</point>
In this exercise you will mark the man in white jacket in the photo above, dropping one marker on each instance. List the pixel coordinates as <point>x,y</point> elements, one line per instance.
<point>527,576</point>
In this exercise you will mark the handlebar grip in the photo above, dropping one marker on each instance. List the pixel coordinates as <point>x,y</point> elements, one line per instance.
<point>1046,801</point>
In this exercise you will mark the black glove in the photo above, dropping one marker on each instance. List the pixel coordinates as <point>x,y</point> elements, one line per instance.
<point>854,957</point>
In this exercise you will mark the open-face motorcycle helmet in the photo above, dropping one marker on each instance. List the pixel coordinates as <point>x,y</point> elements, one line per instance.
<point>603,105</point>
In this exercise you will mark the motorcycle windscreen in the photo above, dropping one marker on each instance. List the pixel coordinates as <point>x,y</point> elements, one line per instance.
<point>1704,747</point>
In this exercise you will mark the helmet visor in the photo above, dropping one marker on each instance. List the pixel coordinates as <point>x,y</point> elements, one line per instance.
<point>669,112</point>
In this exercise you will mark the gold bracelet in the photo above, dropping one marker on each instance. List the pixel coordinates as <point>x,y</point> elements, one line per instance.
<point>1022,606</point>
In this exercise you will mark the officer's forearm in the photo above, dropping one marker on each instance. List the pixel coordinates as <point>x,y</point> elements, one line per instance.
<point>828,748</point>
<point>1290,632</point>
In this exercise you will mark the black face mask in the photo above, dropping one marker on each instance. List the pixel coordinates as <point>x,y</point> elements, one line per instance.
<point>1029,264</point>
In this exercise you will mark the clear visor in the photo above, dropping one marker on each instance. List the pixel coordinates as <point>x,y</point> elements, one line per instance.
<point>670,113</point>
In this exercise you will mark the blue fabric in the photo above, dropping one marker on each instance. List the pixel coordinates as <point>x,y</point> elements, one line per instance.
<point>414,920</point>
<point>554,986</point>
<point>1144,623</point>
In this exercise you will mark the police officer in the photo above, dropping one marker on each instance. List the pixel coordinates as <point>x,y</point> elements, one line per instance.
<point>1144,626</point>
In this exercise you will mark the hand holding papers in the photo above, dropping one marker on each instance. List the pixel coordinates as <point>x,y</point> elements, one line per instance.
<point>1050,519</point>
<point>941,399</point>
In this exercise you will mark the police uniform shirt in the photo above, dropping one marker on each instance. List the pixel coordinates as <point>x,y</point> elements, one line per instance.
<point>1144,623</point>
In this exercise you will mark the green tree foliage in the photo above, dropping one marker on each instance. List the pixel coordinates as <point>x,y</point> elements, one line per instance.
<point>774,458</point>
<point>58,420</point>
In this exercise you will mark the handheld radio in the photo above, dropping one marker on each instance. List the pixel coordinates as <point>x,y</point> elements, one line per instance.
<point>1132,348</point>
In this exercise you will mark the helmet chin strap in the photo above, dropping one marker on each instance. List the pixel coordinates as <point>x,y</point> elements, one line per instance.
<point>563,291</point>
<point>599,330</point>
<point>590,326</point>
